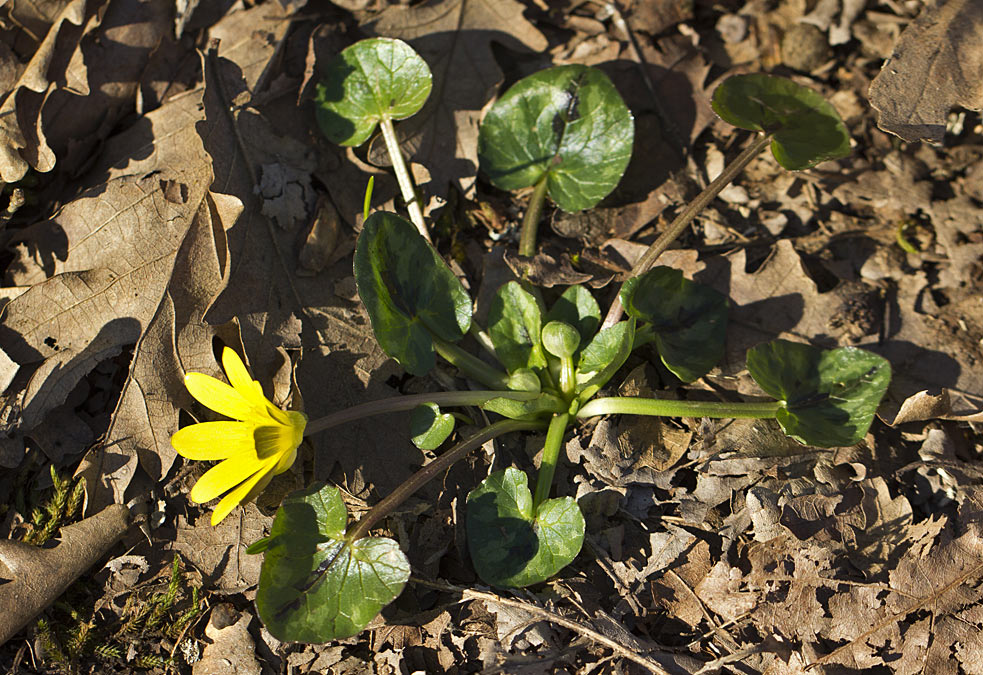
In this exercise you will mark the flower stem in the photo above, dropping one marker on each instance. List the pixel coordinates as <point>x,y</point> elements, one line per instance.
<point>471,365</point>
<point>551,453</point>
<point>685,217</point>
<point>403,176</point>
<point>433,469</point>
<point>402,403</point>
<point>668,408</point>
<point>530,221</point>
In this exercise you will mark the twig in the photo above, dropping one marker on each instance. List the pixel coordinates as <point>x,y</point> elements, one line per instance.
<point>552,617</point>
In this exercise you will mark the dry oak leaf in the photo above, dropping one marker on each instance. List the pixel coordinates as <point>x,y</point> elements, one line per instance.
<point>935,67</point>
<point>454,37</point>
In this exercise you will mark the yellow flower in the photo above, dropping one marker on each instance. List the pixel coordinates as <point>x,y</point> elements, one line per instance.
<point>262,443</point>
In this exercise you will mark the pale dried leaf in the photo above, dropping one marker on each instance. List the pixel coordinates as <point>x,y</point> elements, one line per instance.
<point>935,67</point>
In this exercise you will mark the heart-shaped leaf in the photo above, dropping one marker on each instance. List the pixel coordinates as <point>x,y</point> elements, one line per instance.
<point>578,308</point>
<point>512,546</point>
<point>514,325</point>
<point>567,123</point>
<point>805,128</point>
<point>689,319</point>
<point>314,586</point>
<point>371,80</point>
<point>829,395</point>
<point>603,356</point>
<point>429,427</point>
<point>408,291</point>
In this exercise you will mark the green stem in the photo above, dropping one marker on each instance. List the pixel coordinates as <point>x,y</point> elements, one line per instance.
<point>685,217</point>
<point>403,176</point>
<point>666,408</point>
<point>551,453</point>
<point>530,221</point>
<point>568,381</point>
<point>471,365</point>
<point>402,403</point>
<point>433,469</point>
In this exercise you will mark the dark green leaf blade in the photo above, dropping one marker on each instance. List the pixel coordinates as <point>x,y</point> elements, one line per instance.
<point>408,291</point>
<point>689,319</point>
<point>429,428</point>
<point>568,122</point>
<point>514,325</point>
<point>315,587</point>
<point>603,356</point>
<point>805,128</point>
<point>510,545</point>
<point>371,80</point>
<point>830,395</point>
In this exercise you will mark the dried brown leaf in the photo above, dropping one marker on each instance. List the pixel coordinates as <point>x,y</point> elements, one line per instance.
<point>32,578</point>
<point>933,69</point>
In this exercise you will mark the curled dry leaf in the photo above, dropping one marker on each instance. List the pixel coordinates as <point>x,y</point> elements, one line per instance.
<point>31,578</point>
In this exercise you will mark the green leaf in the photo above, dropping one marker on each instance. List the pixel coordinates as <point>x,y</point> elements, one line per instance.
<point>689,319</point>
<point>578,308</point>
<point>524,379</point>
<point>541,406</point>
<point>512,546</point>
<point>603,356</point>
<point>408,291</point>
<point>371,80</point>
<point>428,427</point>
<point>567,123</point>
<point>829,395</point>
<point>314,586</point>
<point>805,128</point>
<point>514,326</point>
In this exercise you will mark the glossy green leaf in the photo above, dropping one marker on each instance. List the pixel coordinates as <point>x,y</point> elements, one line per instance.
<point>429,428</point>
<point>578,308</point>
<point>514,326</point>
<point>314,586</point>
<point>542,406</point>
<point>567,123</point>
<point>372,80</point>
<point>603,356</point>
<point>805,128</point>
<point>829,395</point>
<point>689,319</point>
<point>510,545</point>
<point>408,291</point>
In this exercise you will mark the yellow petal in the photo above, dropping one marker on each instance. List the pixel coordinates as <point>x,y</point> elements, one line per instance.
<point>221,398</point>
<point>238,496</point>
<point>213,440</point>
<point>228,474</point>
<point>240,380</point>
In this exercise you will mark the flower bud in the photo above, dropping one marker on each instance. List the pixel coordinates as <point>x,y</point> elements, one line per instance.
<point>560,339</point>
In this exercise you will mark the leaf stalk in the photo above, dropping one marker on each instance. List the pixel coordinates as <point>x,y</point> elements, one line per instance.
<point>406,186</point>
<point>551,454</point>
<point>685,217</point>
<point>432,470</point>
<point>530,221</point>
